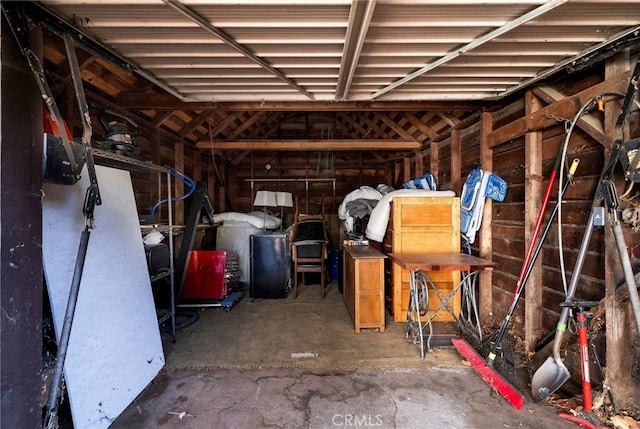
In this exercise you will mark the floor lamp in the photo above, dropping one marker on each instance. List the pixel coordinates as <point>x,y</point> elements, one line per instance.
<point>265,199</point>
<point>283,199</point>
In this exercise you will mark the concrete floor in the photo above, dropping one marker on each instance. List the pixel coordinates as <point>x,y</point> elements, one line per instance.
<point>235,370</point>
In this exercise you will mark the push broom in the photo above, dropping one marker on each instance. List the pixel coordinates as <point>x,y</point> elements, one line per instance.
<point>486,368</point>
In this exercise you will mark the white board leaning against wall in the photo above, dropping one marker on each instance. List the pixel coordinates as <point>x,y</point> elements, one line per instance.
<point>115,348</point>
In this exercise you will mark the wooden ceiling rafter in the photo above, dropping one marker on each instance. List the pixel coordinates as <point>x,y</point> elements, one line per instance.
<point>373,119</point>
<point>159,118</point>
<point>400,118</point>
<point>348,121</point>
<point>449,119</point>
<point>269,123</point>
<point>202,130</point>
<point>424,129</point>
<point>395,127</point>
<point>253,118</point>
<point>196,121</point>
<point>219,129</point>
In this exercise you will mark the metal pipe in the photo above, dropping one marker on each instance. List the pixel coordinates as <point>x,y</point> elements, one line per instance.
<point>626,268</point>
<point>571,291</point>
<point>63,343</point>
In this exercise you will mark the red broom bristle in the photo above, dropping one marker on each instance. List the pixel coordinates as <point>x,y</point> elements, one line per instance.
<point>488,374</point>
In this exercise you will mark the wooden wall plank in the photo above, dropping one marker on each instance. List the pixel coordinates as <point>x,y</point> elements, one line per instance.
<point>533,197</point>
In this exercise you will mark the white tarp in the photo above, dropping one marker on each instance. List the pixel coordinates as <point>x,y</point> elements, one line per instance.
<point>115,348</point>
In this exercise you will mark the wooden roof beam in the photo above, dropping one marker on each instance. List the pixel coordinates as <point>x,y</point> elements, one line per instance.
<point>195,122</point>
<point>565,108</point>
<point>158,101</point>
<point>309,145</point>
<point>587,122</point>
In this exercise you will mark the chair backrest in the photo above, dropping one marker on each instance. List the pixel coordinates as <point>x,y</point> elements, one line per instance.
<point>308,216</point>
<point>309,252</point>
<point>310,229</point>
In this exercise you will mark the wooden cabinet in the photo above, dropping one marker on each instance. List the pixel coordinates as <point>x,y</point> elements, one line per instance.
<point>422,224</point>
<point>364,286</point>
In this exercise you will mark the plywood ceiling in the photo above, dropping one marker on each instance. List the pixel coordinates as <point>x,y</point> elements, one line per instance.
<point>220,70</point>
<point>292,50</point>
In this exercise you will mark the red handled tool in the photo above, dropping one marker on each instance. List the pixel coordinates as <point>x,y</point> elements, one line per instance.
<point>584,417</point>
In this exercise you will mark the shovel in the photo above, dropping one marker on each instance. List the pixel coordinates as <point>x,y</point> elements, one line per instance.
<point>553,373</point>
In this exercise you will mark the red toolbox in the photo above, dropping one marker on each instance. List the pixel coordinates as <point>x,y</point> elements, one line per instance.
<point>211,275</point>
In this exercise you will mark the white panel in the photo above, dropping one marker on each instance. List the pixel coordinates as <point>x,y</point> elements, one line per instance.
<point>115,348</point>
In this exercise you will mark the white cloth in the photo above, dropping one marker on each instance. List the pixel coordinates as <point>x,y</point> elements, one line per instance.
<point>258,219</point>
<point>364,192</point>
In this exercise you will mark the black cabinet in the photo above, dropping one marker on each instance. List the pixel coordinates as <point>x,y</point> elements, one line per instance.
<point>270,265</point>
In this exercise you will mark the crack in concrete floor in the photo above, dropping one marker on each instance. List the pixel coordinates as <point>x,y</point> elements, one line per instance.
<point>233,370</point>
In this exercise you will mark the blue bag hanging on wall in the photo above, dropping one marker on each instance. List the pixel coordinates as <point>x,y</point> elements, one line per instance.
<point>478,186</point>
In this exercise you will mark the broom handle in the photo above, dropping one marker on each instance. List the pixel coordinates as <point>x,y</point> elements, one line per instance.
<point>530,258</point>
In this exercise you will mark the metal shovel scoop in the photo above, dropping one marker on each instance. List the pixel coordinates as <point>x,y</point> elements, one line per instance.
<point>552,374</point>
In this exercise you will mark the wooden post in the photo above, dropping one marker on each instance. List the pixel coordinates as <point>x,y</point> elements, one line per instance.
<point>178,186</point>
<point>211,185</point>
<point>197,167</point>
<point>222,190</point>
<point>456,161</point>
<point>407,169</point>
<point>533,195</point>
<point>419,164</point>
<point>156,179</point>
<point>618,366</point>
<point>434,160</point>
<point>485,280</point>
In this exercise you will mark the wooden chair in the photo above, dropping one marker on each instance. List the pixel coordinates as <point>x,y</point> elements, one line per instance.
<point>309,257</point>
<point>309,242</point>
<point>308,216</point>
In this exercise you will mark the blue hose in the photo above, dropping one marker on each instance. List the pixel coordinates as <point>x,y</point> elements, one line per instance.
<point>184,179</point>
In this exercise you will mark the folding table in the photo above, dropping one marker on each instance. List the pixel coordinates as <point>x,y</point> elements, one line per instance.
<point>419,265</point>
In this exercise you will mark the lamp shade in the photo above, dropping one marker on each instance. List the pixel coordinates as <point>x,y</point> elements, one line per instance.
<point>284,199</point>
<point>265,198</point>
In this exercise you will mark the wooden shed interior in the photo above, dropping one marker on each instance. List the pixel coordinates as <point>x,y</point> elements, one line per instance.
<point>321,98</point>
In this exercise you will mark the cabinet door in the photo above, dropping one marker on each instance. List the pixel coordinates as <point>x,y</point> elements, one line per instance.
<point>369,299</point>
<point>349,273</point>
